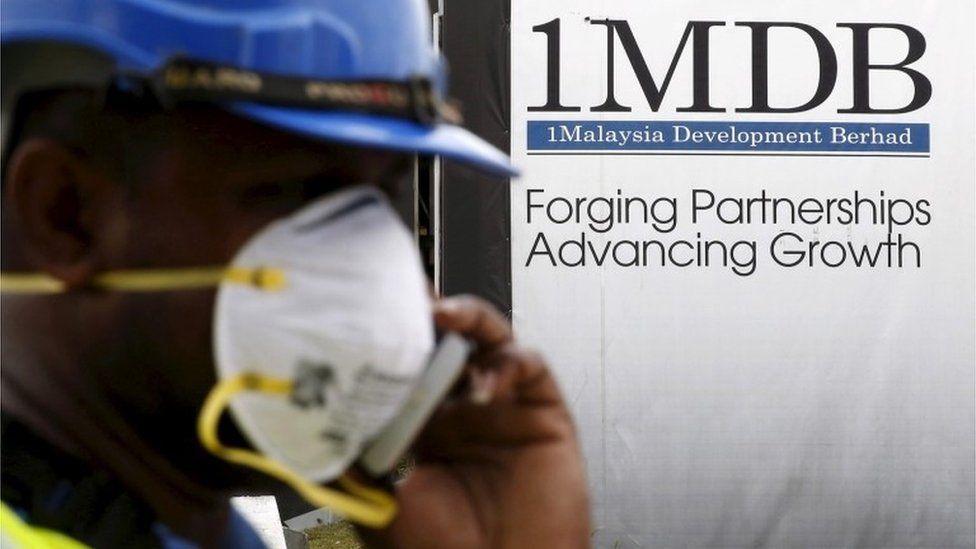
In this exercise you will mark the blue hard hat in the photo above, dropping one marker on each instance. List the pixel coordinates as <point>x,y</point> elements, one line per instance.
<point>352,71</point>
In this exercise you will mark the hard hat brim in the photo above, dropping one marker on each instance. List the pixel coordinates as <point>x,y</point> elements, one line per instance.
<point>448,141</point>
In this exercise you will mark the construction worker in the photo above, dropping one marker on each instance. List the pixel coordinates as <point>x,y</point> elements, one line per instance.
<point>196,217</point>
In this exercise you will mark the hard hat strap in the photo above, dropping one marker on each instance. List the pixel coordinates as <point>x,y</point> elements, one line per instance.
<point>186,80</point>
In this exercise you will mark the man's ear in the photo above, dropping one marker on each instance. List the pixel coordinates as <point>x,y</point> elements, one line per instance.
<point>55,196</point>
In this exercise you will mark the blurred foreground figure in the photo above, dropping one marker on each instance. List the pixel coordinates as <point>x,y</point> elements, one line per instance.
<point>196,218</point>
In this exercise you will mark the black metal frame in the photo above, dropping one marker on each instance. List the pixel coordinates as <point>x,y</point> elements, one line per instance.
<point>475,208</point>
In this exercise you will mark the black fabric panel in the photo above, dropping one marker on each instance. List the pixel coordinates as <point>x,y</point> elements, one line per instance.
<point>476,246</point>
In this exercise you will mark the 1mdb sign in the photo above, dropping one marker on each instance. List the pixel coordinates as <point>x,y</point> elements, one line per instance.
<point>904,87</point>
<point>698,34</point>
<point>745,240</point>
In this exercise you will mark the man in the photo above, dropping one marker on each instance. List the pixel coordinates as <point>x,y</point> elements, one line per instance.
<point>159,136</point>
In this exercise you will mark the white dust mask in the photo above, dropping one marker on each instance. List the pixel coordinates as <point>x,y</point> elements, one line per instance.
<point>346,334</point>
<point>352,323</point>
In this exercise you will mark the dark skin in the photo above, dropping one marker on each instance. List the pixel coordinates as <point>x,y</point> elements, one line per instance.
<point>502,469</point>
<point>118,379</point>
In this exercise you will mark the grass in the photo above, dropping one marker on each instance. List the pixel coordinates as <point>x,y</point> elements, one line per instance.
<point>339,535</point>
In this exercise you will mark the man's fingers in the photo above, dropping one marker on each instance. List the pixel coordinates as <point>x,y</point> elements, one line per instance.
<point>512,371</point>
<point>500,426</point>
<point>502,369</point>
<point>473,318</point>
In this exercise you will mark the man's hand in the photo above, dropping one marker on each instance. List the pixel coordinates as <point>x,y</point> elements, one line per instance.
<point>500,468</point>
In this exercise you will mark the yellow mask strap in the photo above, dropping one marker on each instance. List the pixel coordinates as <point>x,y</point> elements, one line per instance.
<point>150,280</point>
<point>367,506</point>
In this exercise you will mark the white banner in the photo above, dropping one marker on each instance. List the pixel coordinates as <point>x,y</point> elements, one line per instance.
<point>745,240</point>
